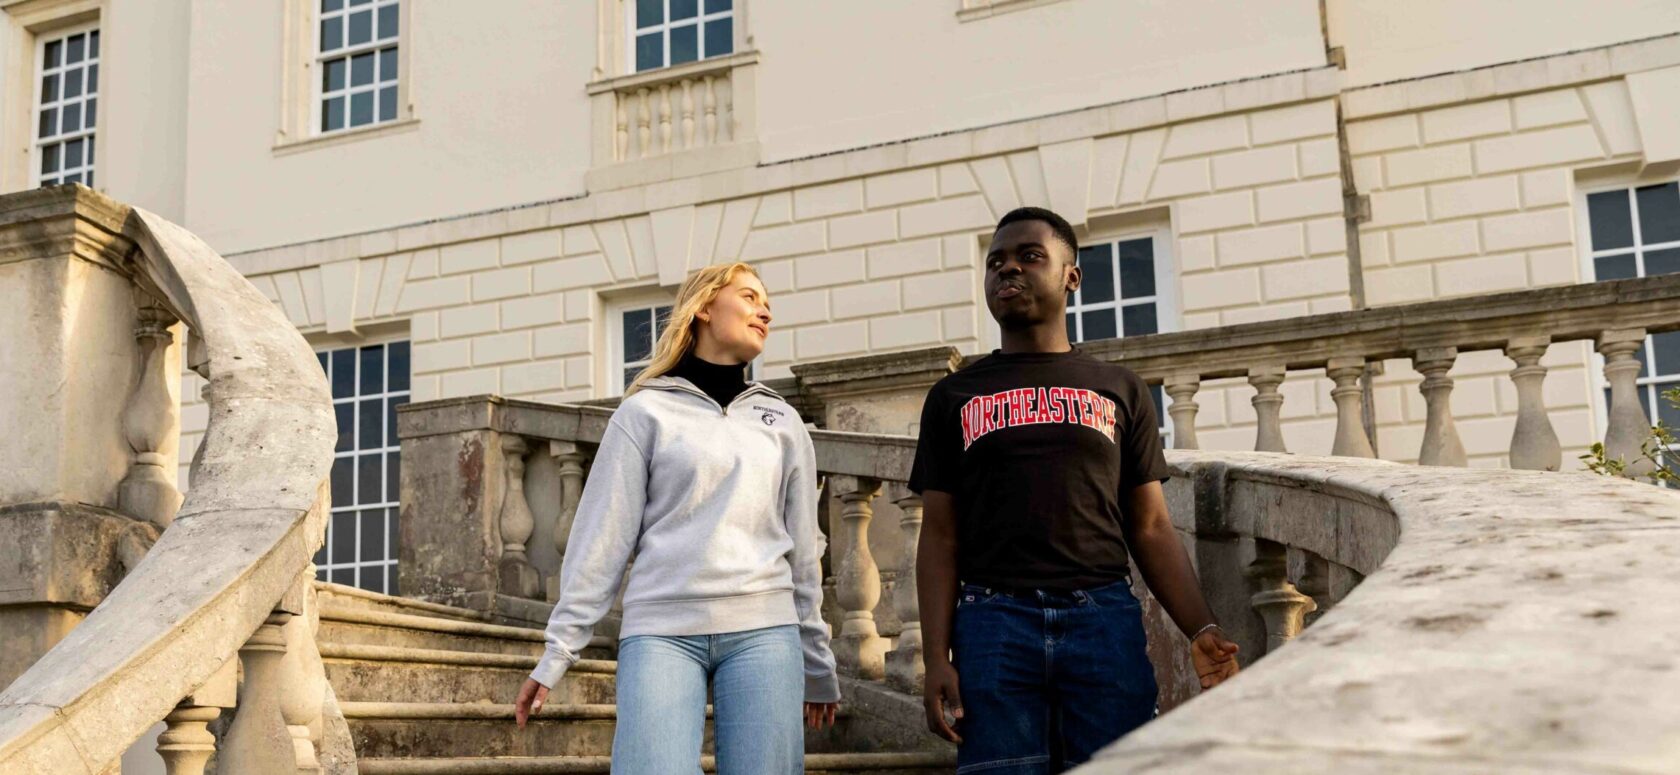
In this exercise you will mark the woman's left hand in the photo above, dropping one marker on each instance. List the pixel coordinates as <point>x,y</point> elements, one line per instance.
<point>820,714</point>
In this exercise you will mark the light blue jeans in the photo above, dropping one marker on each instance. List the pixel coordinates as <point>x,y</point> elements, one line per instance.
<point>758,691</point>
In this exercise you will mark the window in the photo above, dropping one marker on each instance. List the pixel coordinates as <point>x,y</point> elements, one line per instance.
<point>1635,232</point>
<point>67,107</point>
<point>674,32</point>
<point>368,384</point>
<point>639,328</point>
<point>1118,297</point>
<point>357,61</point>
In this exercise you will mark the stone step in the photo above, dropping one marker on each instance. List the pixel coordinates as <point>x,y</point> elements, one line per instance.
<point>369,627</point>
<point>362,673</point>
<point>344,596</point>
<point>416,730</point>
<point>815,764</point>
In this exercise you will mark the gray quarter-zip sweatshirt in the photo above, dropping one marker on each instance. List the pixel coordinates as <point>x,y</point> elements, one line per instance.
<point>719,507</point>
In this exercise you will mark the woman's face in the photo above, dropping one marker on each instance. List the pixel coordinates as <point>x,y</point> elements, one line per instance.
<point>737,322</point>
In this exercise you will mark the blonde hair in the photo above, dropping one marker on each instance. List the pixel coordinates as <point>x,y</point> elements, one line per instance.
<point>679,336</point>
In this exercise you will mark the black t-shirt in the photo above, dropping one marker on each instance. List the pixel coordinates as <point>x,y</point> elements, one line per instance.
<point>1037,449</point>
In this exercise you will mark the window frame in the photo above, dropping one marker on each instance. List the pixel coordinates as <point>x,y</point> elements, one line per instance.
<point>392,507</point>
<point>631,32</point>
<point>301,88</point>
<point>37,73</point>
<point>318,61</point>
<point>1647,380</point>
<point>615,336</point>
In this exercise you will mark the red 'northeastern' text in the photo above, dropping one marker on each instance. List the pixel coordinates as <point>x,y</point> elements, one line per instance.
<point>1036,406</point>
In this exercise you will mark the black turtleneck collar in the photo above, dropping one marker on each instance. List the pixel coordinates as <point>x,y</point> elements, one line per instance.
<point>722,383</point>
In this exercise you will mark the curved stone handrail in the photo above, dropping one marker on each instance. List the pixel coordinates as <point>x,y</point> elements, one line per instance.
<point>1521,622</point>
<point>250,524</point>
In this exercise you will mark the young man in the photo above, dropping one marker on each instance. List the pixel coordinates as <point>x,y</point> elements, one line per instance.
<point>1039,467</point>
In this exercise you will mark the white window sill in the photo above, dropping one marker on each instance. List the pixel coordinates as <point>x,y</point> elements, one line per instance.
<point>674,73</point>
<point>369,132</point>
<point>996,7</point>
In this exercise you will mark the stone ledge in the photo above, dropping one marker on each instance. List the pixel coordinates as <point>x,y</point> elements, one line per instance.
<point>1504,80</point>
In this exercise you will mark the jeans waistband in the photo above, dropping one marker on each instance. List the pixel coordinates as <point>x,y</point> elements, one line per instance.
<point>1047,595</point>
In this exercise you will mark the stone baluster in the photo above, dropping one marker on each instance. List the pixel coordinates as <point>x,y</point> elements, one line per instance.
<point>1315,583</point>
<point>1182,389</point>
<point>665,118</point>
<point>258,742</point>
<point>726,111</point>
<point>148,492</point>
<point>621,130</point>
<point>904,664</point>
<point>1268,407</point>
<point>1534,443</point>
<point>186,743</point>
<point>709,102</point>
<point>1441,445</point>
<point>1629,425</point>
<point>1278,602</point>
<point>644,124</point>
<point>568,457</point>
<point>688,113</point>
<point>1350,423</point>
<point>859,649</point>
<point>518,577</point>
<point>303,679</point>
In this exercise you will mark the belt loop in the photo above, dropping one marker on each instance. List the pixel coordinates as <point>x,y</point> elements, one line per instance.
<point>1083,596</point>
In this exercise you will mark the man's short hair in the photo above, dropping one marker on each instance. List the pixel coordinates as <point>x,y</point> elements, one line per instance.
<point>1057,223</point>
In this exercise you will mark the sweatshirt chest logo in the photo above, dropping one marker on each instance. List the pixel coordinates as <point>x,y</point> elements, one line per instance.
<point>768,415</point>
<point>1037,406</point>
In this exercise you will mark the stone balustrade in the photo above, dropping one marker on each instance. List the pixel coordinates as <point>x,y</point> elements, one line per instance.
<point>1347,346</point>
<point>671,110</point>
<point>1502,620</point>
<point>187,595</point>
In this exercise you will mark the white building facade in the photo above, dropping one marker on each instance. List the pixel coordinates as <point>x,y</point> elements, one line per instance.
<point>460,198</point>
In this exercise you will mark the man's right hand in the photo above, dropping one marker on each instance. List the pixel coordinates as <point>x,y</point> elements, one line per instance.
<point>939,691</point>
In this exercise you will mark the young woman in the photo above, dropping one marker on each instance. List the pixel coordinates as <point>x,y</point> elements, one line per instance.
<point>710,482</point>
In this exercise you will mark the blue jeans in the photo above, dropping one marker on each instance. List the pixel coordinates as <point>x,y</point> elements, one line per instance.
<point>1047,678</point>
<point>758,696</point>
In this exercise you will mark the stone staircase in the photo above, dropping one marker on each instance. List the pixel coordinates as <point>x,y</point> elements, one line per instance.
<point>430,689</point>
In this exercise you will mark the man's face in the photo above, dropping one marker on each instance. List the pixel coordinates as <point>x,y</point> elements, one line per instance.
<point>1029,272</point>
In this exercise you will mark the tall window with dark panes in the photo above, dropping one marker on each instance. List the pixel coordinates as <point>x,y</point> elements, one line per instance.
<point>368,384</point>
<point>1635,232</point>
<point>1117,297</point>
<point>639,329</point>
<point>357,61</point>
<point>674,32</point>
<point>67,102</point>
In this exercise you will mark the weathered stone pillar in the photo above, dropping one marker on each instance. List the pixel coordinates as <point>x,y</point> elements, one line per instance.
<point>1279,603</point>
<point>1268,407</point>
<point>518,577</point>
<point>1629,425</point>
<point>1351,440</point>
<point>1315,583</point>
<point>258,742</point>
<point>1441,445</point>
<point>68,313</point>
<point>904,664</point>
<point>1182,389</point>
<point>859,649</point>
<point>450,547</point>
<point>1534,443</point>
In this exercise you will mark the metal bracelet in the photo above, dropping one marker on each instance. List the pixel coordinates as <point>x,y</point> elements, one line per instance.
<point>1205,628</point>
